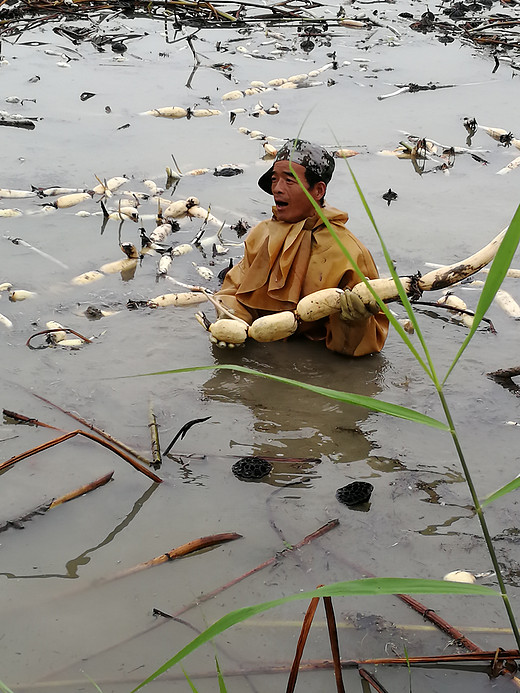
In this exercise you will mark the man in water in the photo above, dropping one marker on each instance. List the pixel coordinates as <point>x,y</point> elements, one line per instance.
<point>293,254</point>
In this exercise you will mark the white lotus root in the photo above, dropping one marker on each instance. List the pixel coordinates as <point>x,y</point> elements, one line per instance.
<point>460,576</point>
<point>229,331</point>
<point>320,304</point>
<point>271,328</point>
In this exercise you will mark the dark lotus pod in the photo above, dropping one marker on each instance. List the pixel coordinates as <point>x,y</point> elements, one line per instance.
<point>355,493</point>
<point>251,468</point>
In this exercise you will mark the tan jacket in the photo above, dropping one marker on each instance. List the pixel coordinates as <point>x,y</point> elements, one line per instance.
<point>283,262</point>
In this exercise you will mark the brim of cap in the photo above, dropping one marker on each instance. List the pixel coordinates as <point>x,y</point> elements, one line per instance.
<point>265,180</point>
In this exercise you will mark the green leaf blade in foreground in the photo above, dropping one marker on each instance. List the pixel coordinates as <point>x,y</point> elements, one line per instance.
<point>429,368</point>
<point>368,586</point>
<point>504,490</point>
<point>347,397</point>
<point>496,276</point>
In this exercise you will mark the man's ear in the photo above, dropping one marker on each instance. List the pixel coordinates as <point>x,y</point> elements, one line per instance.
<point>318,191</point>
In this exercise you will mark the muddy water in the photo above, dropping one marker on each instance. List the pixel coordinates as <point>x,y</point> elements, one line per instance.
<point>60,624</point>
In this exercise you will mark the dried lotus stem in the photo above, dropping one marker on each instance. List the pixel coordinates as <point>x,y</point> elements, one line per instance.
<point>97,430</point>
<point>179,552</point>
<point>51,443</point>
<point>154,435</point>
<point>50,331</point>
<point>82,490</point>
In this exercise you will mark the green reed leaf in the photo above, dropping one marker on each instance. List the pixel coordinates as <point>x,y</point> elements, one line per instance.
<point>190,682</point>
<point>347,397</point>
<point>494,280</point>
<point>511,486</point>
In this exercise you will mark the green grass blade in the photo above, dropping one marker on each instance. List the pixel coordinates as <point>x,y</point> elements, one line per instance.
<point>221,684</point>
<point>347,397</point>
<point>430,370</point>
<point>192,685</point>
<point>409,668</point>
<point>98,689</point>
<point>4,688</point>
<point>494,280</point>
<point>511,486</point>
<point>368,586</point>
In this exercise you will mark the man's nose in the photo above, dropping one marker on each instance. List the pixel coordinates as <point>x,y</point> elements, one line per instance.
<point>277,186</point>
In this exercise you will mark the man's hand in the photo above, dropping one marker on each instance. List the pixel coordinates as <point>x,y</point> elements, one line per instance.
<point>354,310</point>
<point>223,345</point>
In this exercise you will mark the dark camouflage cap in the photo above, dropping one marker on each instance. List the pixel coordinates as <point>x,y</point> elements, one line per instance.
<point>313,157</point>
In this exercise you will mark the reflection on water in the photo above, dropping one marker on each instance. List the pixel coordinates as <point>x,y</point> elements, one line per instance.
<point>72,566</point>
<point>292,421</point>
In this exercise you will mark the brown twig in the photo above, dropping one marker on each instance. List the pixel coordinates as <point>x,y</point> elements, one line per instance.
<point>179,552</point>
<point>154,435</point>
<point>21,419</point>
<point>371,680</point>
<point>42,509</point>
<point>304,633</point>
<point>82,490</point>
<point>55,441</point>
<point>334,644</point>
<point>97,430</point>
<point>443,625</point>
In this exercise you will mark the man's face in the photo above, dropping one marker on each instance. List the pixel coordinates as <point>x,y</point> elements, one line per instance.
<point>292,204</point>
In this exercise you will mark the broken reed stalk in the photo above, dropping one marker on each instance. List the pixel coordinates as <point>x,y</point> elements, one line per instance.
<point>443,625</point>
<point>302,639</point>
<point>179,552</point>
<point>42,509</point>
<point>97,430</point>
<point>21,419</point>
<point>304,633</point>
<point>334,643</point>
<point>55,441</point>
<point>154,435</point>
<point>371,680</point>
<point>82,490</point>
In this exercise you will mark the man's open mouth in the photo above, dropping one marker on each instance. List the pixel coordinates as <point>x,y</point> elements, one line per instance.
<point>281,203</point>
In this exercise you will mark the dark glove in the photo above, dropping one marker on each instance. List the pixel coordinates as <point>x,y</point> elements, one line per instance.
<point>353,309</point>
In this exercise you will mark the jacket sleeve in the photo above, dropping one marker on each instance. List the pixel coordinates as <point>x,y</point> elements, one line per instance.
<point>227,293</point>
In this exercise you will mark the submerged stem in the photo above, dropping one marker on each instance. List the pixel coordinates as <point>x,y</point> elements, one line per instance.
<point>481,517</point>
